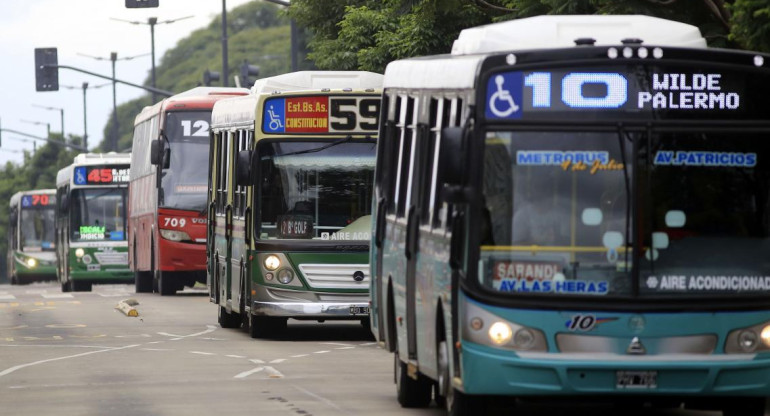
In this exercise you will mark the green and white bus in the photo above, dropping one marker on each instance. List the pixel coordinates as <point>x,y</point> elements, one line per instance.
<point>576,207</point>
<point>31,244</point>
<point>91,242</point>
<point>290,189</point>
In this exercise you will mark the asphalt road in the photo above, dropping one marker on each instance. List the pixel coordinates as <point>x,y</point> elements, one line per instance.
<point>74,354</point>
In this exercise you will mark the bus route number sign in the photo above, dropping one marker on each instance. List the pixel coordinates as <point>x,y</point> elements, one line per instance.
<point>29,201</point>
<point>101,175</point>
<point>321,114</point>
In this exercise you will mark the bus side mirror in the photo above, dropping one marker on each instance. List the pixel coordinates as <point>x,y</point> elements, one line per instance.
<point>243,168</point>
<point>156,152</point>
<point>452,159</point>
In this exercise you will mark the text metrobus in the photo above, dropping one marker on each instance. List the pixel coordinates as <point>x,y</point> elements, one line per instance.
<point>91,221</point>
<point>290,199</point>
<point>586,220</point>
<point>167,195</point>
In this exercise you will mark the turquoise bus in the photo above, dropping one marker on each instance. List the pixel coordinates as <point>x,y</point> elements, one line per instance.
<point>290,188</point>
<point>91,245</point>
<point>575,207</point>
<point>31,244</point>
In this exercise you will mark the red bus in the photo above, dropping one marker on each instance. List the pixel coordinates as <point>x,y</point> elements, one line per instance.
<point>167,190</point>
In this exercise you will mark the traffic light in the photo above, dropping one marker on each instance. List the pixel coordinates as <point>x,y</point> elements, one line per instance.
<point>46,69</point>
<point>141,4</point>
<point>209,77</point>
<point>246,72</point>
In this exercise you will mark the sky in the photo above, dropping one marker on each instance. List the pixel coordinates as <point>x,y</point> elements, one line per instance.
<point>77,28</point>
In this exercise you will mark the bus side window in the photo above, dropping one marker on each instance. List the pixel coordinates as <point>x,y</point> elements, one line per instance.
<point>220,193</point>
<point>448,117</point>
<point>405,156</point>
<point>431,158</point>
<point>392,162</point>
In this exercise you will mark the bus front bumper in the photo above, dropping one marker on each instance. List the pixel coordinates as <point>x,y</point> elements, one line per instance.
<point>312,310</point>
<point>490,371</point>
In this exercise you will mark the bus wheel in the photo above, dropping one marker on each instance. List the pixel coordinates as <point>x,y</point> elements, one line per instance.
<point>81,286</point>
<point>266,326</point>
<point>166,284</point>
<point>411,392</point>
<point>228,320</point>
<point>143,282</point>
<point>461,404</point>
<point>66,286</point>
<point>745,406</point>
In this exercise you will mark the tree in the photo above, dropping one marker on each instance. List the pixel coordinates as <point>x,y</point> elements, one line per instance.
<point>367,34</point>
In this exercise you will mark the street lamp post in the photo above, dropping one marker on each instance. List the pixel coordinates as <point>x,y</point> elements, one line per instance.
<point>152,21</point>
<point>39,123</point>
<point>61,112</point>
<point>85,118</point>
<point>225,72</point>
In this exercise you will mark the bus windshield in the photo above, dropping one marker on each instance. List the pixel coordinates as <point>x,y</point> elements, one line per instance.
<point>316,189</point>
<point>37,229</point>
<point>185,181</point>
<point>561,214</point>
<point>98,214</point>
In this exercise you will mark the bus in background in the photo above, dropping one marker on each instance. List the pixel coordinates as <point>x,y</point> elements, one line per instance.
<point>167,192</point>
<point>31,244</point>
<point>576,206</point>
<point>290,194</point>
<point>91,221</point>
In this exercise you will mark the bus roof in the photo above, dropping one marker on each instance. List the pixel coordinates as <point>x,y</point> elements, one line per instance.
<point>16,198</point>
<point>551,31</point>
<point>241,111</point>
<point>194,98</point>
<point>459,70</point>
<point>64,174</point>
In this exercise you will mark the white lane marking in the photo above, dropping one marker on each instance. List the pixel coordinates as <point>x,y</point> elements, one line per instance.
<point>211,328</point>
<point>35,291</point>
<point>368,343</point>
<point>175,339</point>
<point>57,295</point>
<point>321,352</point>
<point>235,356</point>
<point>7,297</point>
<point>114,295</point>
<point>157,349</point>
<point>299,356</point>
<point>345,348</point>
<point>202,353</point>
<point>20,366</point>
<point>156,342</point>
<point>255,361</point>
<point>278,361</point>
<point>323,399</point>
<point>136,336</point>
<point>337,343</point>
<point>102,347</point>
<point>248,373</point>
<point>273,373</point>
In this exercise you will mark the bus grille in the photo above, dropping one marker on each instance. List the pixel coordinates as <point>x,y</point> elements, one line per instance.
<point>335,276</point>
<point>112,258</point>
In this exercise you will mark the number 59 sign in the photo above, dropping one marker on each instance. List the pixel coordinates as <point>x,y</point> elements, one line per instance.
<point>321,114</point>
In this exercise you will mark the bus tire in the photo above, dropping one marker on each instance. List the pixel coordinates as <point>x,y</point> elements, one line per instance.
<point>166,284</point>
<point>80,286</point>
<point>266,326</point>
<point>228,320</point>
<point>461,404</point>
<point>143,282</point>
<point>66,286</point>
<point>745,406</point>
<point>411,392</point>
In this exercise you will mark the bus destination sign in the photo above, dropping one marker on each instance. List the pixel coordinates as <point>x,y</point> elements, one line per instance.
<point>37,200</point>
<point>101,175</point>
<point>321,114</point>
<point>636,92</point>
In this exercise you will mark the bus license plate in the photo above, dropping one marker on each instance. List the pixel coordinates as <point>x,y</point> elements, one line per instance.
<point>637,379</point>
<point>359,310</point>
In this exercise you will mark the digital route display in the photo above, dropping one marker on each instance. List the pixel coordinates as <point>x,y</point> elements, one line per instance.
<point>101,175</point>
<point>321,114</point>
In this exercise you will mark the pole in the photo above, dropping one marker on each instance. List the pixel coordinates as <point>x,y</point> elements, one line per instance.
<point>151,21</point>
<point>85,119</point>
<point>225,71</point>
<point>114,57</point>
<point>294,36</point>
<point>61,110</point>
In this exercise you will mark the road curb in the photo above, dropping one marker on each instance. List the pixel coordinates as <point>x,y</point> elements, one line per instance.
<point>127,307</point>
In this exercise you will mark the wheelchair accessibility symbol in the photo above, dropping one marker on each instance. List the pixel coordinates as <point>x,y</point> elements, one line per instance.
<point>503,94</point>
<point>274,116</point>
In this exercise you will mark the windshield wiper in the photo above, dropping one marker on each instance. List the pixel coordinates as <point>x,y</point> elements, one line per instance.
<point>347,139</point>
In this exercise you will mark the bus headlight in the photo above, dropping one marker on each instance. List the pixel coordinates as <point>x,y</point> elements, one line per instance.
<point>749,340</point>
<point>31,263</point>
<point>174,235</point>
<point>272,262</point>
<point>79,252</point>
<point>285,276</point>
<point>486,328</point>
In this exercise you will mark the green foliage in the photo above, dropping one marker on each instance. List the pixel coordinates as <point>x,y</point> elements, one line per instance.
<point>366,35</point>
<point>38,171</point>
<point>257,32</point>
